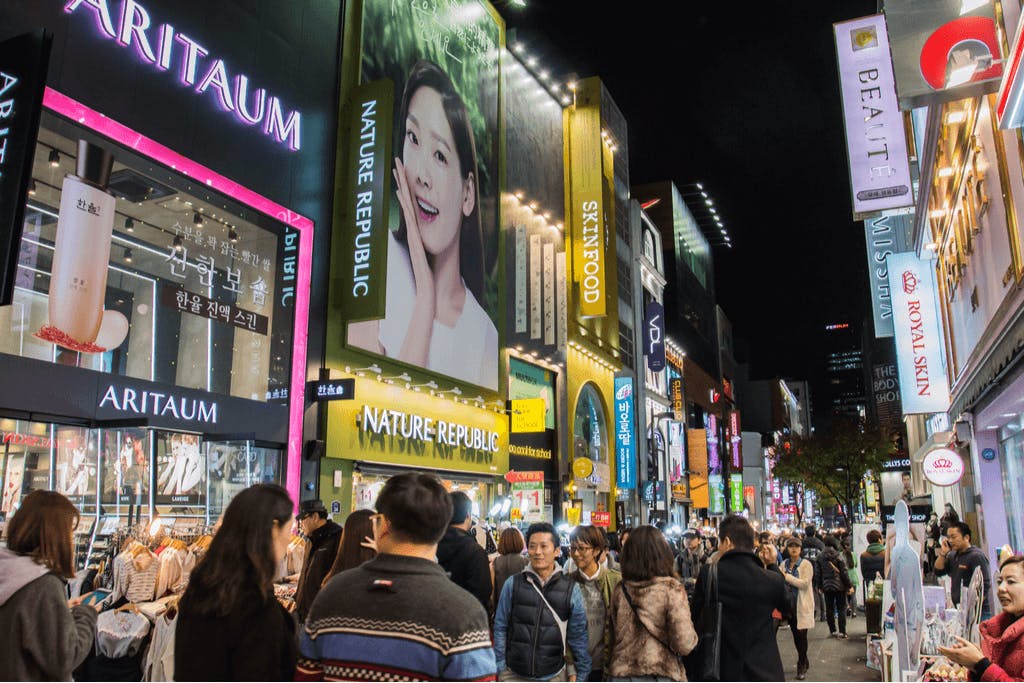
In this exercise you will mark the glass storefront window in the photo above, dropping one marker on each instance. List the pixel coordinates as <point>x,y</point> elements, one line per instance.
<point>1011,454</point>
<point>143,274</point>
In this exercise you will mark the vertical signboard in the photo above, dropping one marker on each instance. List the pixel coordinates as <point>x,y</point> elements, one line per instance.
<point>675,394</point>
<point>875,138</point>
<point>654,336</point>
<point>697,448</point>
<point>919,354</point>
<point>587,208</point>
<point>365,243</point>
<point>23,63</point>
<point>884,235</point>
<point>625,434</point>
<point>943,50</point>
<point>735,440</point>
<point>736,492</point>
<point>716,493</point>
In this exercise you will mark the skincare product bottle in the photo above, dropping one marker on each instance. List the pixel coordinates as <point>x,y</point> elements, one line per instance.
<point>81,255</point>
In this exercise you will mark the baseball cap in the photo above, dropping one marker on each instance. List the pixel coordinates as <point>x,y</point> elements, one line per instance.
<point>308,507</point>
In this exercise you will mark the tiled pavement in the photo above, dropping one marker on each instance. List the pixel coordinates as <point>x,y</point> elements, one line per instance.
<point>831,659</point>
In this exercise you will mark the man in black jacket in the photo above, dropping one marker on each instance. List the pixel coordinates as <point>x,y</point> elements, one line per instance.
<point>461,556</point>
<point>324,537</point>
<point>811,550</point>
<point>959,558</point>
<point>748,593</point>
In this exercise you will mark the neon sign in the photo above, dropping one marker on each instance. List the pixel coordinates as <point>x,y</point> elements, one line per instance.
<point>197,69</point>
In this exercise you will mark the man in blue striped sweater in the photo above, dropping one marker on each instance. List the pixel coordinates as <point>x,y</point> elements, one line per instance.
<point>398,617</point>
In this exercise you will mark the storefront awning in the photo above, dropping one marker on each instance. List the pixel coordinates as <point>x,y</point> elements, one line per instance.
<point>936,440</point>
<point>1002,360</point>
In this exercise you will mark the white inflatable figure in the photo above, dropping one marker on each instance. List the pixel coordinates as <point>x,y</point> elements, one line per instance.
<point>972,600</point>
<point>908,594</point>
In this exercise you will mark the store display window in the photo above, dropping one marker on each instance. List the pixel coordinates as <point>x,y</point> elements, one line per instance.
<point>128,268</point>
<point>1011,455</point>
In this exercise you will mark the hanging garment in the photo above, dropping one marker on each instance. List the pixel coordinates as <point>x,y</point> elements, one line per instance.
<point>120,634</point>
<point>159,665</point>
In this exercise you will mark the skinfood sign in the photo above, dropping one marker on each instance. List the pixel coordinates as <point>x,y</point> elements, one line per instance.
<point>397,426</point>
<point>923,384</point>
<point>587,215</point>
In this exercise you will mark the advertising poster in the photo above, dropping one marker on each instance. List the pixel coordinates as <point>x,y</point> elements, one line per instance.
<point>625,434</point>
<point>527,381</point>
<point>233,467</point>
<point>528,497</point>
<point>125,466</point>
<point>442,59</point>
<point>181,470</point>
<point>14,479</point>
<point>716,490</point>
<point>697,447</point>
<point>736,492</point>
<point>76,465</point>
<point>676,454</point>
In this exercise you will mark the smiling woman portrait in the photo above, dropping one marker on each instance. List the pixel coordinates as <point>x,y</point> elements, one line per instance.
<point>434,318</point>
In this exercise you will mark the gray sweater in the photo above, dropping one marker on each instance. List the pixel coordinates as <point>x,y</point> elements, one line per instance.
<point>42,638</point>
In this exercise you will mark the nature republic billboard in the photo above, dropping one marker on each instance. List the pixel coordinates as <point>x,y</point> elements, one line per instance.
<point>418,254</point>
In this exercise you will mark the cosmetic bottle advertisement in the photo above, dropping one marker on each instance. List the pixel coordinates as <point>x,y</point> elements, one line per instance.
<point>78,281</point>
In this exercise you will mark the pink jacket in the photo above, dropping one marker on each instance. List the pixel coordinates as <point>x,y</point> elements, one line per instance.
<point>1002,641</point>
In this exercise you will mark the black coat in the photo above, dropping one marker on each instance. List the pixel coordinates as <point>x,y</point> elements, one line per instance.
<point>834,578</point>
<point>323,548</point>
<point>748,593</point>
<point>254,642</point>
<point>466,563</point>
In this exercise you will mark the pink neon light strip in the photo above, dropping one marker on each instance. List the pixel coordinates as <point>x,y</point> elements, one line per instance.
<point>92,119</point>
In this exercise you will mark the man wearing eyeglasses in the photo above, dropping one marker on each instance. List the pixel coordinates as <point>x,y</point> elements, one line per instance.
<point>398,616</point>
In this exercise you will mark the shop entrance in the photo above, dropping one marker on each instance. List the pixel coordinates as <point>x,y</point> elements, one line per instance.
<point>123,476</point>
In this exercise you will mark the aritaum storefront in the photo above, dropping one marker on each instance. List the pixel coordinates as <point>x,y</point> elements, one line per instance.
<point>153,357</point>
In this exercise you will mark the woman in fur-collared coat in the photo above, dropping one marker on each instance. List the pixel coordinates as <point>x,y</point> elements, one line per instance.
<point>651,621</point>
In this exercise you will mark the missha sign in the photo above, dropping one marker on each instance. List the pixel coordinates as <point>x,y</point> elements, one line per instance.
<point>875,138</point>
<point>196,67</point>
<point>924,387</point>
<point>943,467</point>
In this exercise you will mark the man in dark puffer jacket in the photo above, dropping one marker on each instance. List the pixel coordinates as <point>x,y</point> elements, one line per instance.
<point>835,583</point>
<point>540,616</point>
<point>461,556</point>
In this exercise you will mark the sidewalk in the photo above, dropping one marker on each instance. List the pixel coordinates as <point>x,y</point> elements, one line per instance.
<point>831,659</point>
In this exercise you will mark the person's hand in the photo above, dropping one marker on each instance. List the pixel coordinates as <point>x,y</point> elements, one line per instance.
<point>417,254</point>
<point>572,678</point>
<point>74,602</point>
<point>369,542</point>
<point>850,592</point>
<point>945,547</point>
<point>964,653</point>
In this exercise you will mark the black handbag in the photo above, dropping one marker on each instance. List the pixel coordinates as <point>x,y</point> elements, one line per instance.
<point>710,621</point>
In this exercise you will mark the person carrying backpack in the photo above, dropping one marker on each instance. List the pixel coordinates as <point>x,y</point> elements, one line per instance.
<point>836,585</point>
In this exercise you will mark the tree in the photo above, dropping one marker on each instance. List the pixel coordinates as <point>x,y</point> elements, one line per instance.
<point>834,462</point>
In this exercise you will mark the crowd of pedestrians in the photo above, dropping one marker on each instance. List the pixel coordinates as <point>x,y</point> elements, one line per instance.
<point>407,592</point>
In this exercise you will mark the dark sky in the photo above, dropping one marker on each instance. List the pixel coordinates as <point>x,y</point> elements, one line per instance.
<point>744,97</point>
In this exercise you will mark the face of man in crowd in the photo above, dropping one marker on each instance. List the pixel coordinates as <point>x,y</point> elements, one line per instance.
<point>957,541</point>
<point>542,550</point>
<point>692,543</point>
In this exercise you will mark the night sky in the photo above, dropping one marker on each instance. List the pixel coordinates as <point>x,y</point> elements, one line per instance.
<point>743,97</point>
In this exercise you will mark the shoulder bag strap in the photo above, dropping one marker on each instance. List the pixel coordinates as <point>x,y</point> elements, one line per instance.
<point>636,615</point>
<point>562,625</point>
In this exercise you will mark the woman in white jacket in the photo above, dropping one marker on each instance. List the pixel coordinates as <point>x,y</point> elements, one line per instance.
<point>799,575</point>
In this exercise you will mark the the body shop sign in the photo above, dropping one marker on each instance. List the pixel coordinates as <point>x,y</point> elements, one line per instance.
<point>923,384</point>
<point>875,138</point>
<point>943,467</point>
<point>625,434</point>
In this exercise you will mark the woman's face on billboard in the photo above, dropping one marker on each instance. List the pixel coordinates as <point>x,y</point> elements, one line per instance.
<point>440,194</point>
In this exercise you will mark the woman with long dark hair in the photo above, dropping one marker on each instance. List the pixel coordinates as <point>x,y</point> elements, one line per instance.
<point>230,626</point>
<point>42,639</point>
<point>650,613</point>
<point>357,544</point>
<point>434,317</point>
